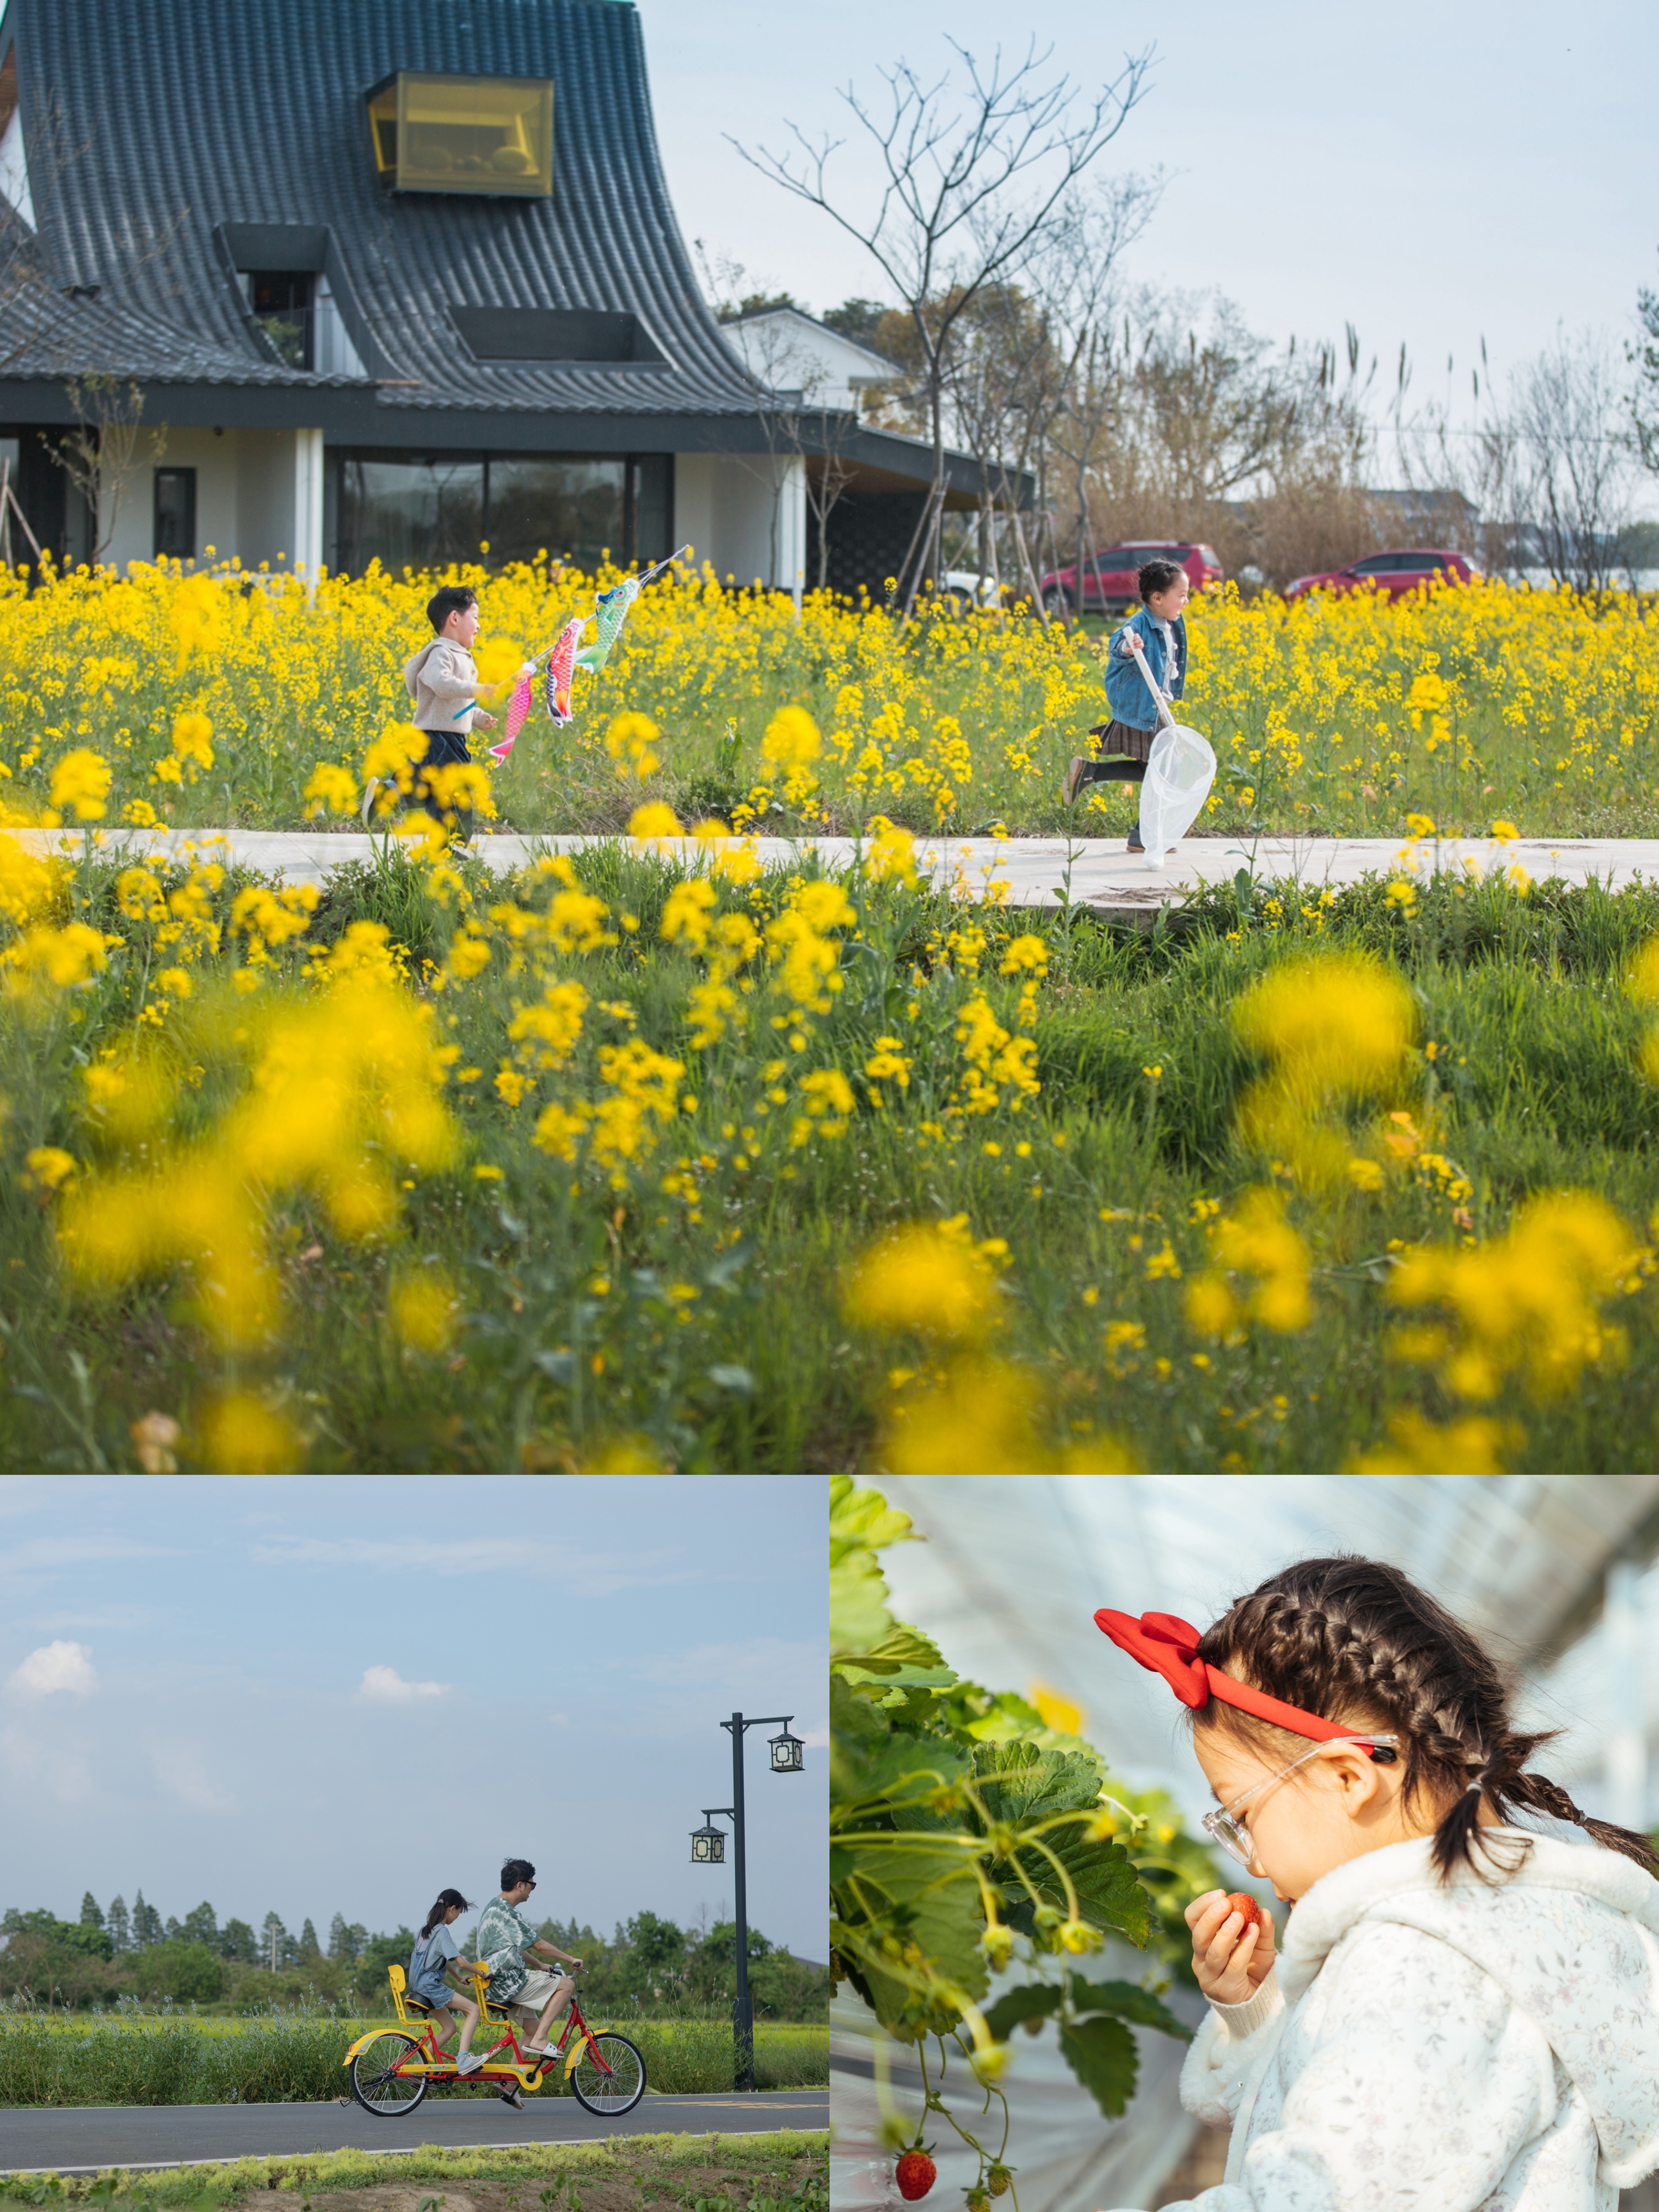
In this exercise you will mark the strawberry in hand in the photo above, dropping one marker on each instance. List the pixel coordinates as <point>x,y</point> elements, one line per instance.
<point>1232,1946</point>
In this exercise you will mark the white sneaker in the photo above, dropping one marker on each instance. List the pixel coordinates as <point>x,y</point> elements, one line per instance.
<point>368,808</point>
<point>469,2064</point>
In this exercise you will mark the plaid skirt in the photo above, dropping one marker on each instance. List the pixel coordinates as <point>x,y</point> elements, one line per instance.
<point>1124,739</point>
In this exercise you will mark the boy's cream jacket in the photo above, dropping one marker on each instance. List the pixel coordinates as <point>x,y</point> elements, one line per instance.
<point>1469,2048</point>
<point>438,677</point>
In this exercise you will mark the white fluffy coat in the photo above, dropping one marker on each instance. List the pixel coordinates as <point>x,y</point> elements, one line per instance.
<point>1429,2048</point>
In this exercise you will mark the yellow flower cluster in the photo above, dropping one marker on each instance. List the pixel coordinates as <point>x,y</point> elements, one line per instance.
<point>1352,714</point>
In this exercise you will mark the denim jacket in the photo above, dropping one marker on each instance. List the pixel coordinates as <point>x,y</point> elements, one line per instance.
<point>1126,687</point>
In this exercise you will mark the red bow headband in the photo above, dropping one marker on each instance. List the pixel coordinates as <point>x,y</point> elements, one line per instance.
<point>1169,1647</point>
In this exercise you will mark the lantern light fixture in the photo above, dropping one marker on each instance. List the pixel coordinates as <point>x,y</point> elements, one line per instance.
<point>787,1752</point>
<point>708,1843</point>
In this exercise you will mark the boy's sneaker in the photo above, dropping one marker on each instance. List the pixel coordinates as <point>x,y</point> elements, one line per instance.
<point>1073,778</point>
<point>367,810</point>
<point>469,2062</point>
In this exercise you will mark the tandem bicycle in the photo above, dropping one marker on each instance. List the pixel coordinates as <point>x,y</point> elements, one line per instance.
<point>392,2067</point>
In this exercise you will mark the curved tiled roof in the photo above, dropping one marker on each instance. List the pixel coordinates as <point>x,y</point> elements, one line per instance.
<point>184,114</point>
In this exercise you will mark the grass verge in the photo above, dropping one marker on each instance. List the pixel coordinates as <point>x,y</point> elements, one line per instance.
<point>785,2167</point>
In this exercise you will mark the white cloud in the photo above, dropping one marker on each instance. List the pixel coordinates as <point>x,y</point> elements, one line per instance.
<point>817,1739</point>
<point>387,1687</point>
<point>57,1666</point>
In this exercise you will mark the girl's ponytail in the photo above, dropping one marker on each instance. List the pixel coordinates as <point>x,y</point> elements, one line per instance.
<point>1358,1642</point>
<point>446,1899</point>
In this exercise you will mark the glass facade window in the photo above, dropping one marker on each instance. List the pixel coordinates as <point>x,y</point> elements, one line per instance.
<point>175,514</point>
<point>423,511</point>
<point>463,134</point>
<point>573,507</point>
<point>413,513</point>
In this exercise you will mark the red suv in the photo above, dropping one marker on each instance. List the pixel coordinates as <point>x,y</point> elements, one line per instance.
<point>1394,574</point>
<point>1109,579</point>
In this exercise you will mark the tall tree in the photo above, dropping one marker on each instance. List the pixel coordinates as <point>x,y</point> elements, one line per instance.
<point>90,1915</point>
<point>119,1927</point>
<point>309,1947</point>
<point>146,1923</point>
<point>201,1926</point>
<point>238,1941</point>
<point>963,184</point>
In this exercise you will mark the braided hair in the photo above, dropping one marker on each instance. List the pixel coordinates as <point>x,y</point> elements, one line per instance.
<point>1358,1642</point>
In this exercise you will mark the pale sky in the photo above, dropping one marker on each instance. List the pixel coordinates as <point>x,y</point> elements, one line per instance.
<point>344,1694</point>
<point>1428,173</point>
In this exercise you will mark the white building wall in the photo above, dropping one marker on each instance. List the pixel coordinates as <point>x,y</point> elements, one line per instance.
<point>258,496</point>
<point>723,504</point>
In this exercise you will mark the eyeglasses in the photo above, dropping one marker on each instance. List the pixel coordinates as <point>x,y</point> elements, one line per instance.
<point>1225,1828</point>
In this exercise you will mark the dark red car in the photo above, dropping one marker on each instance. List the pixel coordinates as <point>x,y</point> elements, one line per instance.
<point>1394,574</point>
<point>1108,579</point>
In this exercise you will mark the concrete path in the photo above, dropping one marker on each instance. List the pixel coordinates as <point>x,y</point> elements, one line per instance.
<point>1093,872</point>
<point>86,2138</point>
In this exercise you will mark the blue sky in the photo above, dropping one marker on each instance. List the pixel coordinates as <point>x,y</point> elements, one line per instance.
<point>1430,175</point>
<point>343,1693</point>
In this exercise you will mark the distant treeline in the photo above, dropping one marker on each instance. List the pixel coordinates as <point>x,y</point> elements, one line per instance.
<point>648,1966</point>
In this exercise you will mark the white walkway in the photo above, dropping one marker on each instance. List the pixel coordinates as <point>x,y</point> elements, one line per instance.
<point>1093,872</point>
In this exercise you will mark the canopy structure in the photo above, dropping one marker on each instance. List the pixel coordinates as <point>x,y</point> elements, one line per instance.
<point>1551,1570</point>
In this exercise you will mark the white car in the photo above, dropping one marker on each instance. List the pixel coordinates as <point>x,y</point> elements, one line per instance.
<point>968,589</point>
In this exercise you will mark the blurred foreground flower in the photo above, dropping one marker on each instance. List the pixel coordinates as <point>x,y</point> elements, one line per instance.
<point>1336,1028</point>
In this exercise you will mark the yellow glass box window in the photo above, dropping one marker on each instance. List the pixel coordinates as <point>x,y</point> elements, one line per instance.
<point>463,134</point>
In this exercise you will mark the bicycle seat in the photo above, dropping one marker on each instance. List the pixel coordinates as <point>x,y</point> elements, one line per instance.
<point>415,2004</point>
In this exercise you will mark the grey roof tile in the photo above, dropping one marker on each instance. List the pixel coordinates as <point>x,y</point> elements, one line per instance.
<point>188,113</point>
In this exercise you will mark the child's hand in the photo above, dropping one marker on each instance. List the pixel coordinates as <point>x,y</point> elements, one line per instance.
<point>528,669</point>
<point>1230,1966</point>
<point>489,720</point>
<point>1129,644</point>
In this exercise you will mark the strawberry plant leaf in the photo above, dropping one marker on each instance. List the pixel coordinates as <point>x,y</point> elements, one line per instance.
<point>1101,2053</point>
<point>1124,2001</point>
<point>1035,2001</point>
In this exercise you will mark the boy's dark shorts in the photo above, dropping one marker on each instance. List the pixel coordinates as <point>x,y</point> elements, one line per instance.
<point>1123,739</point>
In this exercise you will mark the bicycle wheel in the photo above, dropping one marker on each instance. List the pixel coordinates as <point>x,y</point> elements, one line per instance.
<point>376,2083</point>
<point>610,2075</point>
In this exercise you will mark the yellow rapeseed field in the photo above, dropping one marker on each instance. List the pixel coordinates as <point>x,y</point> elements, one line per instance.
<point>222,699</point>
<point>624,1162</point>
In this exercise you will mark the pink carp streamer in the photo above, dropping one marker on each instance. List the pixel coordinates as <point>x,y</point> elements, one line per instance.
<point>560,666</point>
<point>611,611</point>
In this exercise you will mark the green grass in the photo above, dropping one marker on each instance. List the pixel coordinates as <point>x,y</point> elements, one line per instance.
<point>651,2164</point>
<point>615,1327</point>
<point>290,2060</point>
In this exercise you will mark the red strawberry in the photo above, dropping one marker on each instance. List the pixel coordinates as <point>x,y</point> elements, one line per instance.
<point>916,2175</point>
<point>1252,1912</point>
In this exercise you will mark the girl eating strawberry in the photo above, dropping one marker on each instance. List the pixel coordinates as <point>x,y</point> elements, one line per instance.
<point>1464,2014</point>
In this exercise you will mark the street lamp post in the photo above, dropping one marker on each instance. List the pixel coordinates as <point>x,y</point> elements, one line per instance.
<point>709,1848</point>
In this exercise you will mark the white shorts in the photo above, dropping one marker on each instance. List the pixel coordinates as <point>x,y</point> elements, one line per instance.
<point>538,1987</point>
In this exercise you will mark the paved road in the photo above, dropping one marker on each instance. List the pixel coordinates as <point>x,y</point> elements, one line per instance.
<point>1093,872</point>
<point>86,2138</point>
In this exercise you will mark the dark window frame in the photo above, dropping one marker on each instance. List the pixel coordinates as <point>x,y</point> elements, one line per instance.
<point>159,551</point>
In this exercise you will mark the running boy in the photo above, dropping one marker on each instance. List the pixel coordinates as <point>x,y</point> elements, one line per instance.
<point>1161,629</point>
<point>443,682</point>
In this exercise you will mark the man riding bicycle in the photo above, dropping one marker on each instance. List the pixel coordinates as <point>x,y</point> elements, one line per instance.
<point>504,1941</point>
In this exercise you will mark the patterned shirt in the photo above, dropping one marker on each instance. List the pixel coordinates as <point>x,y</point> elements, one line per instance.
<point>503,1936</point>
